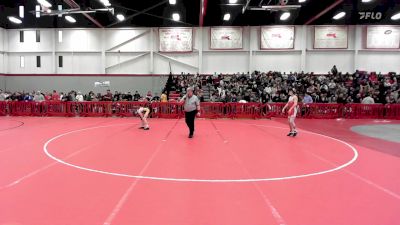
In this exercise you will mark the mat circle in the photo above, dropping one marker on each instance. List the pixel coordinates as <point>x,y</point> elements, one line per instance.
<point>351,161</point>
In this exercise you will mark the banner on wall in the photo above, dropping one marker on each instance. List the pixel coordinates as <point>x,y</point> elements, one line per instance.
<point>176,39</point>
<point>277,37</point>
<point>330,37</point>
<point>226,38</point>
<point>102,84</point>
<point>387,37</point>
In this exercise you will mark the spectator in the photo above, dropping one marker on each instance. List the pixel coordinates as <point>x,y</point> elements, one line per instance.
<point>28,97</point>
<point>71,96</point>
<point>164,97</point>
<point>90,97</point>
<point>334,70</point>
<point>108,96</point>
<point>3,96</point>
<point>307,99</point>
<point>155,98</point>
<point>149,95</point>
<point>117,96</point>
<point>368,100</point>
<point>99,97</point>
<point>234,98</point>
<point>214,98</point>
<point>79,97</point>
<point>55,96</point>
<point>136,96</point>
<point>38,97</point>
<point>128,97</point>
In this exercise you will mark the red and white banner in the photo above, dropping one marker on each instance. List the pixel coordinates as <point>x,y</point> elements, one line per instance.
<point>277,37</point>
<point>383,37</point>
<point>176,39</point>
<point>226,38</point>
<point>330,37</point>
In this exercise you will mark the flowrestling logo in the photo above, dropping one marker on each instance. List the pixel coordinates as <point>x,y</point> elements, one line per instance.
<point>370,15</point>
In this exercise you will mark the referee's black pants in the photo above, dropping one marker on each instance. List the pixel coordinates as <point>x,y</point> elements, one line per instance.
<point>189,119</point>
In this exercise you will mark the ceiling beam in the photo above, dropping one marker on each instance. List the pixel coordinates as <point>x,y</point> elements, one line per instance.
<point>203,11</point>
<point>140,12</point>
<point>152,15</point>
<point>245,6</point>
<point>323,12</point>
<point>73,4</point>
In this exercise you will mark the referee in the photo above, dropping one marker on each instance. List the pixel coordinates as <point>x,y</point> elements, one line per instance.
<point>191,107</point>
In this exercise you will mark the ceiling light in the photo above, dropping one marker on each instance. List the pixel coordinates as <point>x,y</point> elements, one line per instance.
<point>396,16</point>
<point>227,17</point>
<point>120,17</point>
<point>232,1</point>
<point>106,3</point>
<point>70,19</point>
<point>364,1</point>
<point>301,1</point>
<point>59,7</point>
<point>176,16</point>
<point>14,20</point>
<point>37,11</point>
<point>21,11</point>
<point>44,3</point>
<point>172,2</point>
<point>285,15</point>
<point>339,16</point>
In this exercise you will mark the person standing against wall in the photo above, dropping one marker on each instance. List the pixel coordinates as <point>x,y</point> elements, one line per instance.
<point>192,108</point>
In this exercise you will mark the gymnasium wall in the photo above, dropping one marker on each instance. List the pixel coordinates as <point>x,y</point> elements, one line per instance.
<point>2,82</point>
<point>2,58</point>
<point>135,51</point>
<point>3,39</point>
<point>86,83</point>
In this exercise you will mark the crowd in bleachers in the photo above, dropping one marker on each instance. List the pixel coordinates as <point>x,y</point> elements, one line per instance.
<point>264,87</point>
<point>335,87</point>
<point>39,96</point>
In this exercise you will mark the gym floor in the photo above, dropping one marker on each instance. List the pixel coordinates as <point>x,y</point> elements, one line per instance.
<point>87,171</point>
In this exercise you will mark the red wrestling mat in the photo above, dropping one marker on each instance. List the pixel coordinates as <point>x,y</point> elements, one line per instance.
<point>63,171</point>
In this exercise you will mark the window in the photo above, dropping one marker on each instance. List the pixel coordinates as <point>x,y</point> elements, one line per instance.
<point>38,61</point>
<point>60,61</point>
<point>60,36</point>
<point>38,36</point>
<point>21,36</point>
<point>22,61</point>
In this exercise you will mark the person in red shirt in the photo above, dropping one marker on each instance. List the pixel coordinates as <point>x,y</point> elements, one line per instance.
<point>55,96</point>
<point>373,78</point>
<point>108,96</point>
<point>47,97</point>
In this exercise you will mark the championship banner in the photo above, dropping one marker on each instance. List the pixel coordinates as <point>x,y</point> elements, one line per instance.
<point>387,37</point>
<point>176,39</point>
<point>226,38</point>
<point>277,37</point>
<point>330,37</point>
